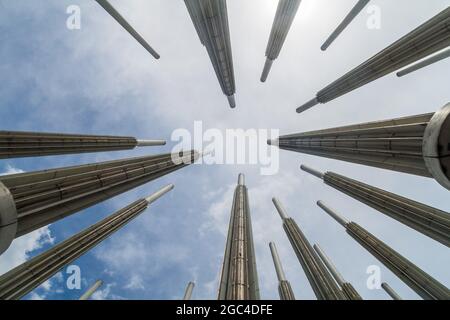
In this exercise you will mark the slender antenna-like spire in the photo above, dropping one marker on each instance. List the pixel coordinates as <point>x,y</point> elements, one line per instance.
<point>321,281</point>
<point>346,287</point>
<point>23,279</point>
<point>17,144</point>
<point>425,63</point>
<point>189,290</point>
<point>32,200</point>
<point>286,11</point>
<point>121,20</point>
<point>390,291</point>
<point>210,18</point>
<point>422,283</point>
<point>427,220</point>
<point>239,279</point>
<point>414,145</point>
<point>429,38</point>
<point>359,6</point>
<point>91,290</point>
<point>284,287</point>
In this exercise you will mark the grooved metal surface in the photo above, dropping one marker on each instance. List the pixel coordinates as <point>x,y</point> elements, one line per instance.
<point>321,281</point>
<point>210,19</point>
<point>15,144</point>
<point>285,291</point>
<point>427,220</point>
<point>350,291</point>
<point>394,144</point>
<point>286,11</point>
<point>21,280</point>
<point>423,284</point>
<point>431,37</point>
<point>43,197</point>
<point>239,280</point>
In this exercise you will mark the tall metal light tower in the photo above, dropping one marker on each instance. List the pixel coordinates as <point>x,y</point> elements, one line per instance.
<point>422,283</point>
<point>429,38</point>
<point>418,145</point>
<point>29,201</point>
<point>239,280</point>
<point>15,144</point>
<point>284,286</point>
<point>284,17</point>
<point>427,220</point>
<point>23,279</point>
<point>322,282</point>
<point>121,20</point>
<point>210,18</point>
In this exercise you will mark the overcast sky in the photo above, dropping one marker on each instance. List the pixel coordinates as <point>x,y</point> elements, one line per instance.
<point>99,80</point>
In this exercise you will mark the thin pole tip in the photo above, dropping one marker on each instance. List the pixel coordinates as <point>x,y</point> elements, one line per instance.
<point>150,143</point>
<point>158,194</point>
<point>231,101</point>
<point>312,171</point>
<point>281,211</point>
<point>308,105</point>
<point>241,179</point>
<point>340,219</point>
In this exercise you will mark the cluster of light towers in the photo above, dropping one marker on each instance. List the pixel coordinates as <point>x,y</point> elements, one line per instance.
<point>418,145</point>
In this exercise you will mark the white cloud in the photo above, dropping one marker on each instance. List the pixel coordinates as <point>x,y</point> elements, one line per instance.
<point>11,170</point>
<point>22,248</point>
<point>135,283</point>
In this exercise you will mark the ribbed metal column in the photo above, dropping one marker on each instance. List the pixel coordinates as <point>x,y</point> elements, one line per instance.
<point>210,19</point>
<point>419,281</point>
<point>91,290</point>
<point>429,38</point>
<point>16,144</point>
<point>346,287</point>
<point>427,220</point>
<point>321,281</point>
<point>121,20</point>
<point>23,279</point>
<point>344,24</point>
<point>286,11</point>
<point>418,145</point>
<point>39,198</point>
<point>390,291</point>
<point>284,286</point>
<point>189,290</point>
<point>239,280</point>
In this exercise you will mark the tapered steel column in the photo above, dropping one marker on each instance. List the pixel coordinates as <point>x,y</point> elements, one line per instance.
<point>390,291</point>
<point>33,200</point>
<point>427,220</point>
<point>189,290</point>
<point>417,145</point>
<point>16,144</point>
<point>429,38</point>
<point>284,17</point>
<point>344,24</point>
<point>210,20</point>
<point>321,281</point>
<point>121,20</point>
<point>23,279</point>
<point>284,286</point>
<point>419,281</point>
<point>346,287</point>
<point>425,63</point>
<point>239,280</point>
<point>91,290</point>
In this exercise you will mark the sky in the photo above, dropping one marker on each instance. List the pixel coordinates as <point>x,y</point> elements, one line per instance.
<point>99,80</point>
